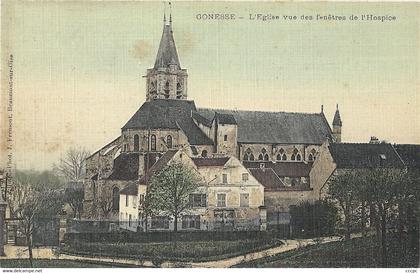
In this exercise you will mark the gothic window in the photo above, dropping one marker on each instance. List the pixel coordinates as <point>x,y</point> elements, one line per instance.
<point>204,153</point>
<point>152,87</point>
<point>263,155</point>
<point>311,156</point>
<point>166,89</point>
<point>293,183</point>
<point>248,156</point>
<point>153,143</point>
<point>169,141</point>
<point>281,156</point>
<point>179,87</point>
<point>296,155</point>
<point>136,143</point>
<point>115,199</point>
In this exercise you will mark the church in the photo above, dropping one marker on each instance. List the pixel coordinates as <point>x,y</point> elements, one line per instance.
<point>277,148</point>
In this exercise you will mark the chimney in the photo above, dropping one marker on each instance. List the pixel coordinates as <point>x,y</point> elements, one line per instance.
<point>374,140</point>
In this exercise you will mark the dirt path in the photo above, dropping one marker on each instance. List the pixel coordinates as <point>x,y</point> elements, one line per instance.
<point>16,252</point>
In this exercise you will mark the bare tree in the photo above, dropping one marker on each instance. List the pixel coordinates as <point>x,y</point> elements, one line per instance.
<point>169,191</point>
<point>32,205</point>
<point>74,197</point>
<point>106,205</point>
<point>72,166</point>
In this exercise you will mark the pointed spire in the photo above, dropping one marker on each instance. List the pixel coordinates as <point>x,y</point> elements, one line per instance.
<point>170,14</point>
<point>337,119</point>
<point>167,53</point>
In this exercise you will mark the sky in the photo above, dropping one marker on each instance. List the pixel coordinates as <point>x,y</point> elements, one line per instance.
<point>78,67</point>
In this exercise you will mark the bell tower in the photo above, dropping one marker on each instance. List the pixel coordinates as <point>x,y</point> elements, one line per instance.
<point>166,80</point>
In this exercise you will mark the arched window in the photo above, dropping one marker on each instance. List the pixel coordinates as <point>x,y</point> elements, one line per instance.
<point>178,86</point>
<point>115,199</point>
<point>311,156</point>
<point>293,182</point>
<point>248,156</point>
<point>169,141</point>
<point>281,156</point>
<point>263,155</point>
<point>153,143</point>
<point>204,153</point>
<point>296,156</point>
<point>136,143</point>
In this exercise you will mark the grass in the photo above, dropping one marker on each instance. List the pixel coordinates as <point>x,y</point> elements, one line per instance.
<point>179,251</point>
<point>356,253</point>
<point>53,263</point>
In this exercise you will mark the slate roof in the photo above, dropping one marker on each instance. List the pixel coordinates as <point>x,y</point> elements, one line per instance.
<point>159,165</point>
<point>217,161</point>
<point>131,189</point>
<point>267,177</point>
<point>364,155</point>
<point>169,114</point>
<point>225,118</point>
<point>167,53</point>
<point>410,154</point>
<point>283,169</point>
<point>276,127</point>
<point>126,167</point>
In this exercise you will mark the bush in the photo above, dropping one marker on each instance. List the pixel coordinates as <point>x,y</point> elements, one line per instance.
<point>313,219</point>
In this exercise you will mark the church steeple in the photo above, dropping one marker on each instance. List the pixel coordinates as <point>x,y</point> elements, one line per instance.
<point>337,124</point>
<point>167,80</point>
<point>167,53</point>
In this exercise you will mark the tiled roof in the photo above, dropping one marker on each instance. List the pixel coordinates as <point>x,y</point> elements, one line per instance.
<point>217,161</point>
<point>131,189</point>
<point>267,177</point>
<point>276,127</point>
<point>169,114</point>
<point>283,169</point>
<point>410,154</point>
<point>126,167</point>
<point>364,155</point>
<point>159,165</point>
<point>167,53</point>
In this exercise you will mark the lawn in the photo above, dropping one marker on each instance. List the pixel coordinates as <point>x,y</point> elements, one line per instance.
<point>45,263</point>
<point>179,251</point>
<point>360,252</point>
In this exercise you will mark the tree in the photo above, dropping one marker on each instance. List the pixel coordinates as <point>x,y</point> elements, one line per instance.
<point>34,204</point>
<point>72,166</point>
<point>343,189</point>
<point>106,205</point>
<point>313,219</point>
<point>74,197</point>
<point>169,191</point>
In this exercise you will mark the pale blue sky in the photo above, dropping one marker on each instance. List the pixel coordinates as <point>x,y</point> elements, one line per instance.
<point>78,67</point>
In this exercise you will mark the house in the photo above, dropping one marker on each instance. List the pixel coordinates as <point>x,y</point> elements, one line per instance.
<point>338,158</point>
<point>228,197</point>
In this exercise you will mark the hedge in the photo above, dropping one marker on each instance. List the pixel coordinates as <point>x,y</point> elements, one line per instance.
<point>147,237</point>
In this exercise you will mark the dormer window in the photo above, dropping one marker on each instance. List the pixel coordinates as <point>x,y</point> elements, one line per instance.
<point>382,156</point>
